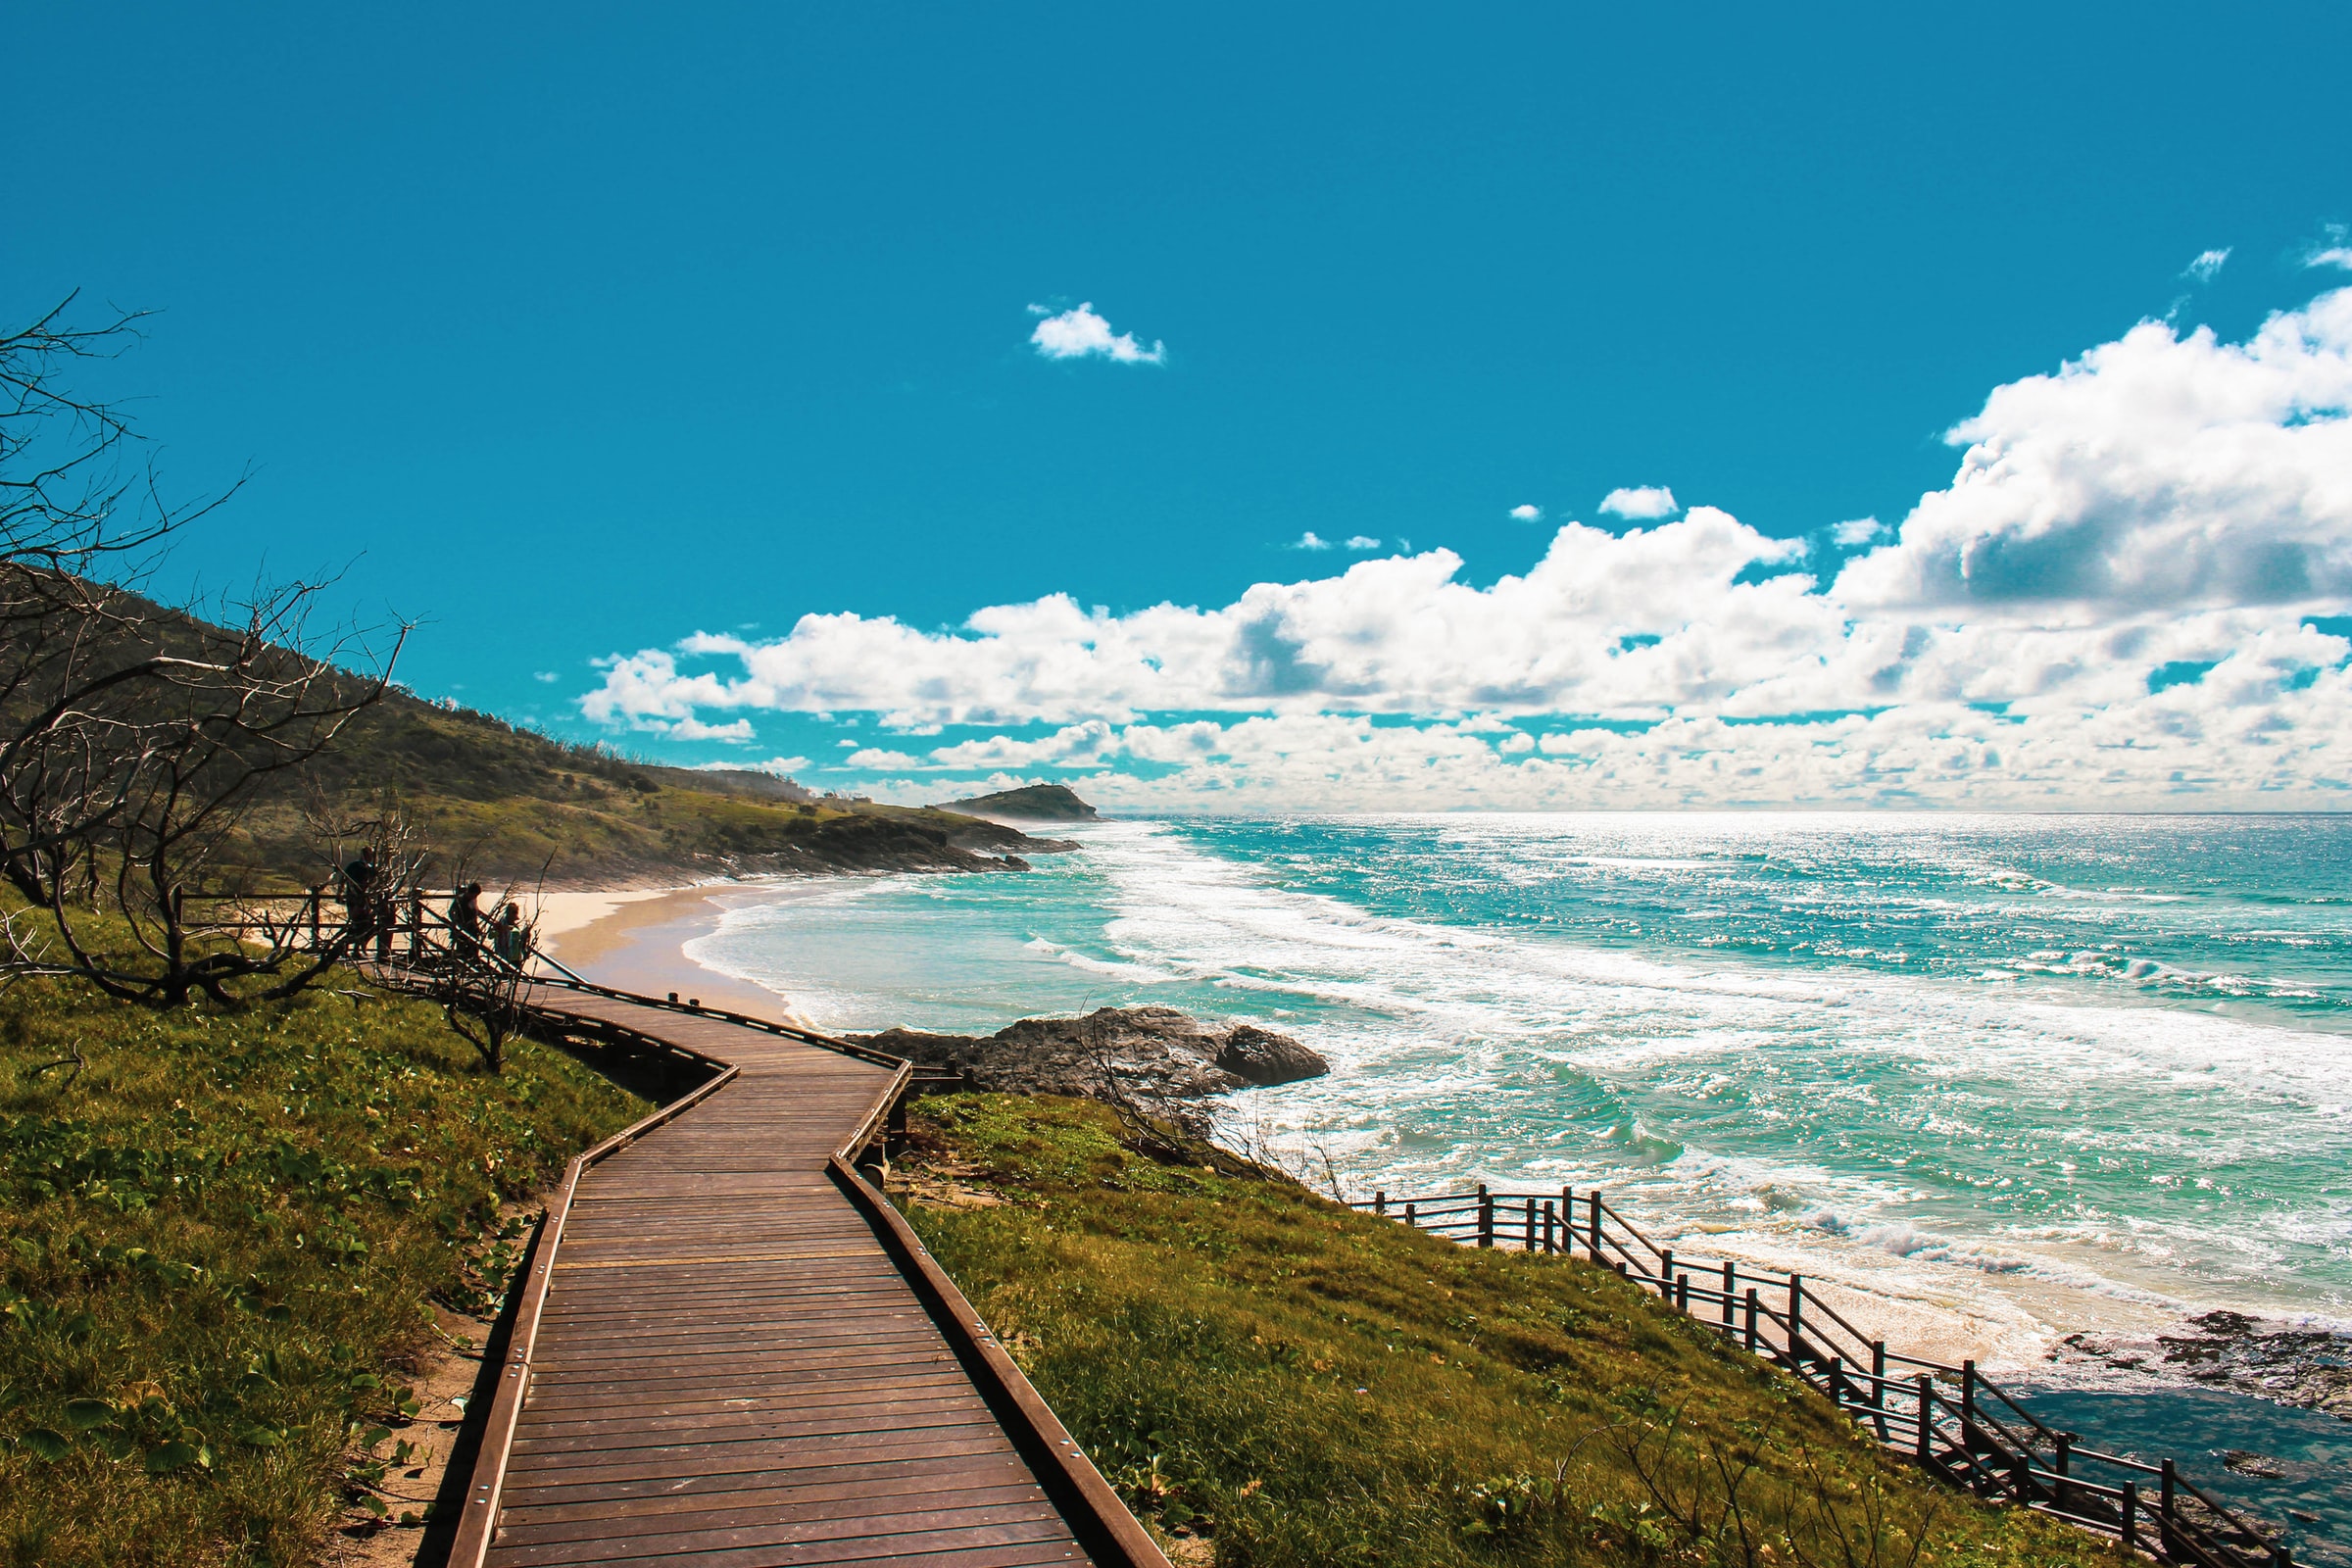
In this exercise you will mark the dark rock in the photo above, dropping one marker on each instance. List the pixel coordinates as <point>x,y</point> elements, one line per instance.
<point>2247,1464</point>
<point>1264,1057</point>
<point>2281,1362</point>
<point>1143,1052</point>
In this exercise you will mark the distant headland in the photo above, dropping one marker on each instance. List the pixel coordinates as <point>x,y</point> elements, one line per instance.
<point>1034,802</point>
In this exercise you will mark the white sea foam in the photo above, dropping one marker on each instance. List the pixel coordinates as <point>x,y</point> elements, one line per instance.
<point>1862,1109</point>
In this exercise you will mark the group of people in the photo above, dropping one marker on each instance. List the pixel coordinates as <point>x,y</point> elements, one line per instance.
<point>506,937</point>
<point>369,915</point>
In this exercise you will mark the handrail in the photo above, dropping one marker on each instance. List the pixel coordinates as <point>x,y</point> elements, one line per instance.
<point>1964,1439</point>
<point>1103,1524</point>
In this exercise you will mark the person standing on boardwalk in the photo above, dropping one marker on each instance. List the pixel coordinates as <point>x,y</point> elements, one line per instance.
<point>465,924</point>
<point>359,897</point>
<point>510,938</point>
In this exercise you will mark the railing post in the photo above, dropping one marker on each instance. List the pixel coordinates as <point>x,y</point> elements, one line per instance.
<point>1682,1294</point>
<point>1927,1418</point>
<point>317,896</point>
<point>2163,1505</point>
<point>1731,1287</point>
<point>2130,1524</point>
<point>1548,1220</point>
<point>1380,1202</point>
<point>1796,1313</point>
<point>1592,1198</point>
<point>1530,1243</point>
<point>1968,1410</point>
<point>1410,1219</point>
<point>1752,1320</point>
<point>1666,1275</point>
<point>1485,1217</point>
<point>1878,1386</point>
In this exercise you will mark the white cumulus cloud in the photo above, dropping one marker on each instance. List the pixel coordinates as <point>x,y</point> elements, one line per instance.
<point>2207,265</point>
<point>2338,252</point>
<point>1640,501</point>
<point>1528,513</point>
<point>1311,540</point>
<point>2156,469</point>
<point>1077,334</point>
<point>2113,603</point>
<point>1360,542</point>
<point>1857,531</point>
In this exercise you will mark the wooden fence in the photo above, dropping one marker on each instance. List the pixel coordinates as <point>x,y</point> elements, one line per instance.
<point>1951,1420</point>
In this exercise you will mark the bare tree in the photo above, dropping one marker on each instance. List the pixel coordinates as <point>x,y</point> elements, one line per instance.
<point>482,988</point>
<point>133,738</point>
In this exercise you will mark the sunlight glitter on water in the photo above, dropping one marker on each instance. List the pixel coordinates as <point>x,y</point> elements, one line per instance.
<point>2009,1077</point>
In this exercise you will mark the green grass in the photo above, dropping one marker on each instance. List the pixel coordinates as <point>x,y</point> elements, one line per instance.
<point>217,1246</point>
<point>1272,1379</point>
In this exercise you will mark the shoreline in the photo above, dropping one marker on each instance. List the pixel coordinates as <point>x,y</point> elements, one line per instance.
<point>635,939</point>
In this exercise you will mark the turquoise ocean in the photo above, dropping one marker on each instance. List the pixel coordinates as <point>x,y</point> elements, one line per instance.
<point>2006,1077</point>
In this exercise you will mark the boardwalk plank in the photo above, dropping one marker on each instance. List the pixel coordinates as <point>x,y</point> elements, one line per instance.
<point>729,1368</point>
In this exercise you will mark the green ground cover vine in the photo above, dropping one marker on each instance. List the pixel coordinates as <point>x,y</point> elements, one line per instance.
<point>1269,1379</point>
<point>219,1236</point>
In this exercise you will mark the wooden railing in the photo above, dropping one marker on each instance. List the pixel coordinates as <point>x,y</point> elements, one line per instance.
<point>1951,1420</point>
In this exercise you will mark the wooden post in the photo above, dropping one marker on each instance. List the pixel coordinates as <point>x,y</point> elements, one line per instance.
<point>1682,1294</point>
<point>1593,1200</point>
<point>1666,1275</point>
<point>1878,1386</point>
<point>1485,1217</point>
<point>415,925</point>
<point>1969,1441</point>
<point>1731,1287</point>
<point>1927,1418</point>
<point>2131,1528</point>
<point>2164,1504</point>
<point>1410,1218</point>
<point>1547,1225</point>
<point>1380,1202</point>
<point>1752,1320</point>
<point>1531,1225</point>
<point>1796,1332</point>
<point>1837,1381</point>
<point>317,896</point>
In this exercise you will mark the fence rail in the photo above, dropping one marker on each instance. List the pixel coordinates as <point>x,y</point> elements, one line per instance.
<point>1951,1420</point>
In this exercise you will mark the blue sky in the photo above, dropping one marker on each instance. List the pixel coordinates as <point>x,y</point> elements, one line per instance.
<point>578,332</point>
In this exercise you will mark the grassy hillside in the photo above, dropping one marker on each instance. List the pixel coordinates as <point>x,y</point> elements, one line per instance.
<point>1270,1379</point>
<point>505,802</point>
<point>217,1243</point>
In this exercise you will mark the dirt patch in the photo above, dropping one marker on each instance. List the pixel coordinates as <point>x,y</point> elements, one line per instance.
<point>415,1455</point>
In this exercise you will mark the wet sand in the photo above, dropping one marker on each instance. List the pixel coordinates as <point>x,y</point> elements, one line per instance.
<point>634,940</point>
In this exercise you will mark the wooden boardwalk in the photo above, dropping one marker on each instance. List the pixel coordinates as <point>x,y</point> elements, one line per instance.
<point>730,1353</point>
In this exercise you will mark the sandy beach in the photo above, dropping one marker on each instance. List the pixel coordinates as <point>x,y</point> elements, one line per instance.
<point>634,939</point>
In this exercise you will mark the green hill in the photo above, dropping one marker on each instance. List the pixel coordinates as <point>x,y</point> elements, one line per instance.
<point>503,801</point>
<point>1034,802</point>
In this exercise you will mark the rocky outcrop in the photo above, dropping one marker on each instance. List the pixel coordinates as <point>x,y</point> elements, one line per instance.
<point>2290,1364</point>
<point>896,841</point>
<point>1034,802</point>
<point>1151,1053</point>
